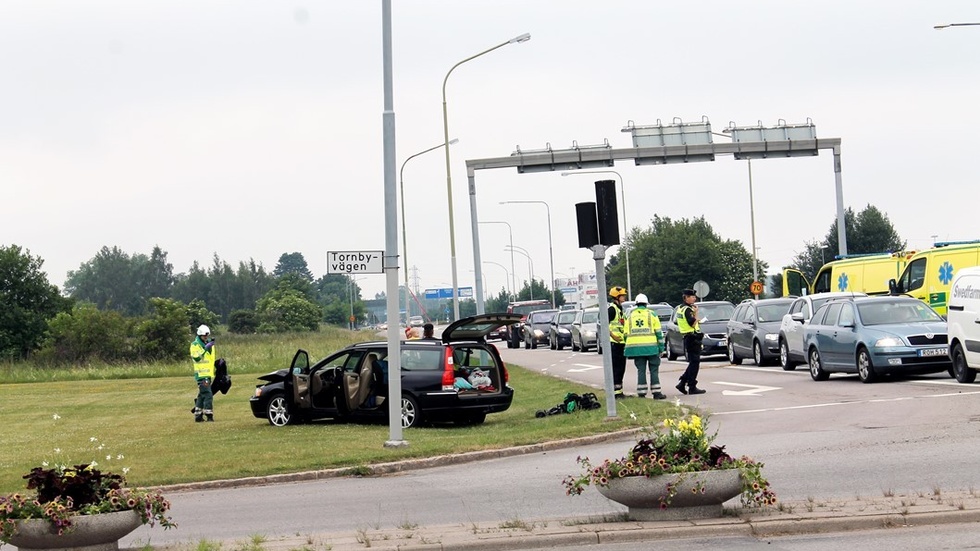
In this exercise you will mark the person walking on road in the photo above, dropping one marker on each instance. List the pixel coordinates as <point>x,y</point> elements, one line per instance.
<point>687,323</point>
<point>202,352</point>
<point>616,342</point>
<point>644,343</point>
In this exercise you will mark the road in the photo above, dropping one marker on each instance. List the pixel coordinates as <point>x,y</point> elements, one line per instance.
<point>818,441</point>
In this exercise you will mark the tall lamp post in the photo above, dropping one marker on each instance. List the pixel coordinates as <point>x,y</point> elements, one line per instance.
<point>755,250</point>
<point>401,185</point>
<point>507,274</point>
<point>449,176</point>
<point>622,199</point>
<point>530,269</point>
<point>551,253</point>
<point>510,231</point>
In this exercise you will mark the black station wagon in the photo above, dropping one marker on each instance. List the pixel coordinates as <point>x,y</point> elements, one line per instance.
<point>458,378</point>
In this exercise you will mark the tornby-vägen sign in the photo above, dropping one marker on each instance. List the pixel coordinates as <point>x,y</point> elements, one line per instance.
<point>355,262</point>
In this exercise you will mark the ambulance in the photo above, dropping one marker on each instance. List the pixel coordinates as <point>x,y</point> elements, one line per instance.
<point>964,324</point>
<point>929,273</point>
<point>858,273</point>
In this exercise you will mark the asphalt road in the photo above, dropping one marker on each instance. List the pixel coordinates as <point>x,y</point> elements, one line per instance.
<point>818,441</point>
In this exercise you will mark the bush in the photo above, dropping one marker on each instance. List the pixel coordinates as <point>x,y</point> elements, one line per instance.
<point>163,335</point>
<point>198,314</point>
<point>283,310</point>
<point>85,334</point>
<point>243,322</point>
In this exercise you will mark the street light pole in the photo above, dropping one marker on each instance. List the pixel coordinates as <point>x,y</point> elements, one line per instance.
<point>946,26</point>
<point>622,199</point>
<point>449,177</point>
<point>530,269</point>
<point>551,253</point>
<point>401,184</point>
<point>510,231</point>
<point>755,253</point>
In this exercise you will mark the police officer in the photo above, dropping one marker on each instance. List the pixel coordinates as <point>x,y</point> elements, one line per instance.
<point>616,341</point>
<point>644,343</point>
<point>687,323</point>
<point>202,353</point>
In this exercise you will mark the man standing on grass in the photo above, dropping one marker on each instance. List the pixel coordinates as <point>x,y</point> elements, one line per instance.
<point>202,352</point>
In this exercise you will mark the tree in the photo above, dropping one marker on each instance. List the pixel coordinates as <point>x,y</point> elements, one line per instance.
<point>27,302</point>
<point>285,309</point>
<point>293,263</point>
<point>109,282</point>
<point>163,334</point>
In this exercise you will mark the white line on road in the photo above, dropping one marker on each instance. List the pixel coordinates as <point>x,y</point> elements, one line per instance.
<point>753,390</point>
<point>828,404</point>
<point>585,367</point>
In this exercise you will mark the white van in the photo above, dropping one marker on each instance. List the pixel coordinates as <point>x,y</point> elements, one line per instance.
<point>963,320</point>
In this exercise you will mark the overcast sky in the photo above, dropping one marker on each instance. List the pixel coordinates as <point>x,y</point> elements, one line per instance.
<point>253,128</point>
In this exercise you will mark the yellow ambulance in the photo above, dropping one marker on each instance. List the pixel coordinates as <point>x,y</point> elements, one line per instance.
<point>859,273</point>
<point>928,274</point>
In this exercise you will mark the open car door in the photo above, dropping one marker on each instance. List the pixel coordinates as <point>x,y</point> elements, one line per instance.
<point>795,283</point>
<point>358,382</point>
<point>300,378</point>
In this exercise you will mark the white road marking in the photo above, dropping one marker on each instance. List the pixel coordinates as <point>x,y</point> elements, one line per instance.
<point>585,367</point>
<point>828,404</point>
<point>754,390</point>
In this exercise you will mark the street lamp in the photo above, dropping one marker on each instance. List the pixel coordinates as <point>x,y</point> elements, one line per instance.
<point>510,230</point>
<point>530,269</point>
<point>449,177</point>
<point>823,250</point>
<point>551,254</point>
<point>755,250</point>
<point>508,275</point>
<point>622,199</point>
<point>401,184</point>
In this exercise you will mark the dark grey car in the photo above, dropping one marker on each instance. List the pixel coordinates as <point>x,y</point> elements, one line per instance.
<point>753,331</point>
<point>714,316</point>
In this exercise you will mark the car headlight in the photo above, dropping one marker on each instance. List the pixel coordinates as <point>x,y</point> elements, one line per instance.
<point>538,333</point>
<point>889,342</point>
<point>590,334</point>
<point>772,337</point>
<point>258,392</point>
<point>563,331</point>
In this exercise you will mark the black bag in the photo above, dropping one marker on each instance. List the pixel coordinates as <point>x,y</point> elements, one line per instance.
<point>222,380</point>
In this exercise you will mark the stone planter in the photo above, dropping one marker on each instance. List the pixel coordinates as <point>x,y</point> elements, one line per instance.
<point>89,532</point>
<point>644,496</point>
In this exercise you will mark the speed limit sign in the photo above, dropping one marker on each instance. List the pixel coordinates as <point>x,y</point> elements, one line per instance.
<point>756,288</point>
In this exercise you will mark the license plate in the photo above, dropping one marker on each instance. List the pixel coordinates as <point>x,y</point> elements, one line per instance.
<point>723,342</point>
<point>934,352</point>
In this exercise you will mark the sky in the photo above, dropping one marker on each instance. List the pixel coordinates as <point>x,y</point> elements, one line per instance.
<point>250,129</point>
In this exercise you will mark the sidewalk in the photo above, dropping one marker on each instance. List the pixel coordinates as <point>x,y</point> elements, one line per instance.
<point>815,516</point>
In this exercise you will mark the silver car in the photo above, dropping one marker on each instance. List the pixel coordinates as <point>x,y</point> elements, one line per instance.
<point>791,352</point>
<point>585,329</point>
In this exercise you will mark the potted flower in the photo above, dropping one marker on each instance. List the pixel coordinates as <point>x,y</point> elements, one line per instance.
<point>675,473</point>
<point>78,506</point>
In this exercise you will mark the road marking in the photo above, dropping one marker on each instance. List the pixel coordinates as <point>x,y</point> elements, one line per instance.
<point>754,390</point>
<point>828,404</point>
<point>585,367</point>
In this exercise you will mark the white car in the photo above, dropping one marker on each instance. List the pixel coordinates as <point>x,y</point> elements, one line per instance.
<point>963,321</point>
<point>791,351</point>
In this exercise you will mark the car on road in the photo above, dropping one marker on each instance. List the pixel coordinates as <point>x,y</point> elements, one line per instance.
<point>536,327</point>
<point>458,378</point>
<point>753,331</point>
<point>876,336</point>
<point>585,329</point>
<point>791,351</point>
<point>416,321</point>
<point>560,330</point>
<point>714,316</point>
<point>963,318</point>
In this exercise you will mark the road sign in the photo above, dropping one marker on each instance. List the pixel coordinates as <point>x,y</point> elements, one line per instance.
<point>701,288</point>
<point>756,288</point>
<point>447,292</point>
<point>352,318</point>
<point>355,262</point>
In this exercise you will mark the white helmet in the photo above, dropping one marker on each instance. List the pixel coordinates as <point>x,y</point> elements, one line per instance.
<point>641,299</point>
<point>203,330</point>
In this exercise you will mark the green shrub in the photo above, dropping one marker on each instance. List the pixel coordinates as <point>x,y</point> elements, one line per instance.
<point>163,335</point>
<point>85,334</point>
<point>243,322</point>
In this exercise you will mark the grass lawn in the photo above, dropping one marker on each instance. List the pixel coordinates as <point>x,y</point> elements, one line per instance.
<point>144,423</point>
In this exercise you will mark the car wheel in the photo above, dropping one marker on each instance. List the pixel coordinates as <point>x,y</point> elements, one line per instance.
<point>527,344</point>
<point>816,366</point>
<point>962,372</point>
<point>732,356</point>
<point>277,411</point>
<point>553,344</point>
<point>866,370</point>
<point>411,413</point>
<point>575,347</point>
<point>671,355</point>
<point>757,356</point>
<point>559,345</point>
<point>788,364</point>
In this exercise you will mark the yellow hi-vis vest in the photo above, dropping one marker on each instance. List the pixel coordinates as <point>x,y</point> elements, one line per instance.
<point>616,325</point>
<point>642,329</point>
<point>203,360</point>
<point>682,324</point>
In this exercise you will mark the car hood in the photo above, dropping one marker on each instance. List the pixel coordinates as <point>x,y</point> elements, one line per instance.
<point>906,329</point>
<point>274,376</point>
<point>714,326</point>
<point>770,326</point>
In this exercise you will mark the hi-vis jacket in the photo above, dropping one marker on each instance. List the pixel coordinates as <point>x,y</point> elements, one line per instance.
<point>203,360</point>
<point>643,333</point>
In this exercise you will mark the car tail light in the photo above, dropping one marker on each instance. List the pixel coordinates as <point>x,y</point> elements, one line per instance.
<point>448,373</point>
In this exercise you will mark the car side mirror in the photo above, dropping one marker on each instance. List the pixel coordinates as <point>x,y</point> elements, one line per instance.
<point>892,287</point>
<point>797,316</point>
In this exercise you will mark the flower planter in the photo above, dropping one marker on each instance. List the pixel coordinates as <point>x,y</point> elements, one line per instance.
<point>646,497</point>
<point>89,532</point>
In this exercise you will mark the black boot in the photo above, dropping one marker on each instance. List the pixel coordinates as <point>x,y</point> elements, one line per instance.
<point>198,418</point>
<point>693,388</point>
<point>659,396</point>
<point>681,387</point>
<point>209,415</point>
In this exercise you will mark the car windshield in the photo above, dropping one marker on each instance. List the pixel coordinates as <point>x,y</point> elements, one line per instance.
<point>887,311</point>
<point>590,317</point>
<point>715,312</point>
<point>541,317</point>
<point>773,312</point>
<point>566,317</point>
